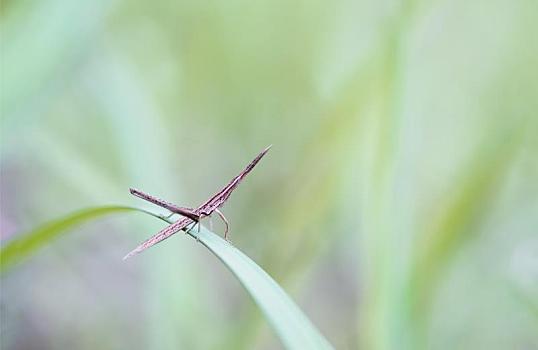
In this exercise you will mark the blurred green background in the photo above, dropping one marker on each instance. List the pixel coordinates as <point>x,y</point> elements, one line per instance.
<point>398,205</point>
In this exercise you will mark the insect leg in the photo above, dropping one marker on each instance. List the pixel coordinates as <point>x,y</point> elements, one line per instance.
<point>225,221</point>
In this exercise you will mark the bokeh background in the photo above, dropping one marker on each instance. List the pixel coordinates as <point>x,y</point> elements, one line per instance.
<point>398,205</point>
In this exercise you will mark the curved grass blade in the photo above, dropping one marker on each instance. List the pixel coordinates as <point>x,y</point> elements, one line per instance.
<point>25,244</point>
<point>292,327</point>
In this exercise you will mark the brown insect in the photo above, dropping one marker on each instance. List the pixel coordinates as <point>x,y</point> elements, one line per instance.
<point>193,215</point>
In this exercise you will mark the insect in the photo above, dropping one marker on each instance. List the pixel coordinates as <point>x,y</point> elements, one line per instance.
<point>193,215</point>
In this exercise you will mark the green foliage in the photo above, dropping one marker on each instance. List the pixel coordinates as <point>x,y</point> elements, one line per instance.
<point>405,215</point>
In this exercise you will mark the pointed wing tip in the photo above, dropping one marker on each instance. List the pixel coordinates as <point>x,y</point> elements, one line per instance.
<point>131,253</point>
<point>126,257</point>
<point>262,153</point>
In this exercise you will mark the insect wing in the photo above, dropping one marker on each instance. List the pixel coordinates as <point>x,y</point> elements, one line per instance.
<point>160,236</point>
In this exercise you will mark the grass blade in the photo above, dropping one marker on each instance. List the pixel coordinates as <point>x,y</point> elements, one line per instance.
<point>26,244</point>
<point>292,327</point>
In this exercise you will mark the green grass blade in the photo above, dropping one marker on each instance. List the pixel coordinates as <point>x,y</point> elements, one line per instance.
<point>292,327</point>
<point>26,244</point>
